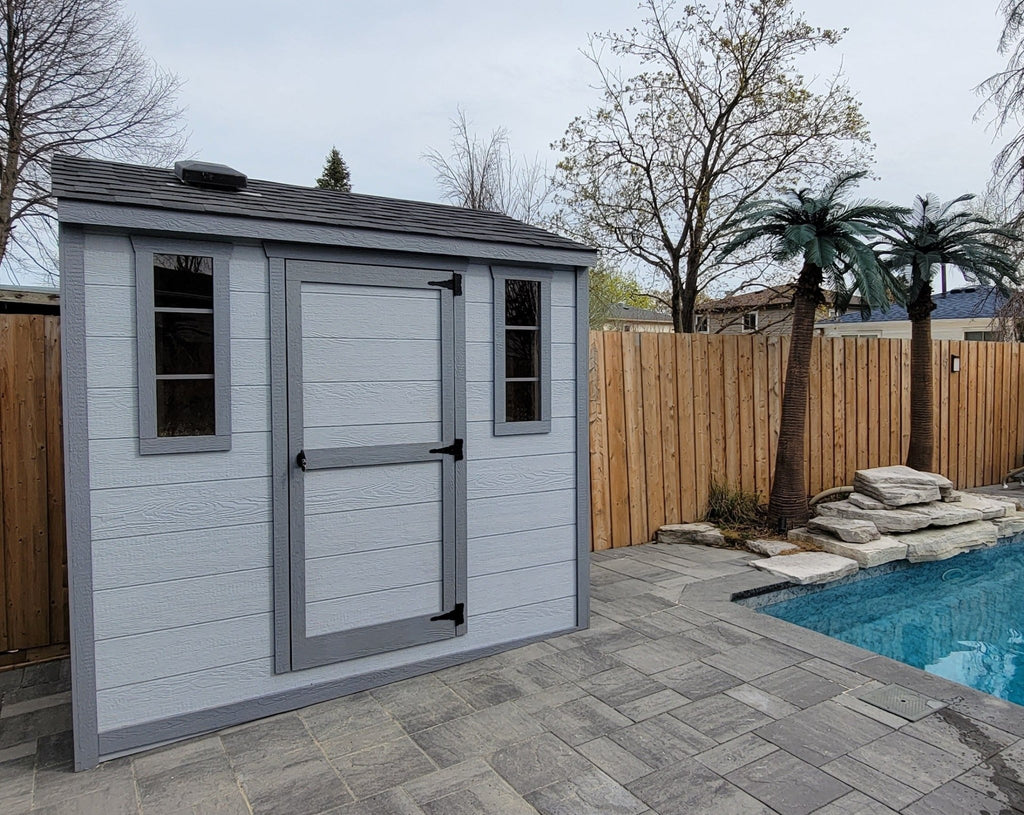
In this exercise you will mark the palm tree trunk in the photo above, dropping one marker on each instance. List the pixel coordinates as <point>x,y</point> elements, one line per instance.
<point>922,401</point>
<point>787,505</point>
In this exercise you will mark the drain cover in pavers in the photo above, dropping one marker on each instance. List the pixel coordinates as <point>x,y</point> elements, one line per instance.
<point>807,567</point>
<point>902,701</point>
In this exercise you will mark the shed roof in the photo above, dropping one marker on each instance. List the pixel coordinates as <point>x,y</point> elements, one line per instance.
<point>87,179</point>
<point>970,302</point>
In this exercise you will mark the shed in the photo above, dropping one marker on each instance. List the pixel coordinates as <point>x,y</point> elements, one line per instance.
<point>316,442</point>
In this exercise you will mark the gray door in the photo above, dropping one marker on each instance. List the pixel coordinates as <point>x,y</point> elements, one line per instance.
<point>374,408</point>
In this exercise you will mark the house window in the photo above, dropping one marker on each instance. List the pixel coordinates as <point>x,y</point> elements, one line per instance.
<point>700,323</point>
<point>522,351</point>
<point>983,336</point>
<point>183,346</point>
<point>750,321</point>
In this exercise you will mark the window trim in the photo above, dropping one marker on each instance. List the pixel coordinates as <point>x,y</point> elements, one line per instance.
<point>499,275</point>
<point>697,323</point>
<point>757,321</point>
<point>149,442</point>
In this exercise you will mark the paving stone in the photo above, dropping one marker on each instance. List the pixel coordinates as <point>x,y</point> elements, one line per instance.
<point>363,739</point>
<point>115,800</point>
<point>686,787</point>
<point>787,784</point>
<point>767,703</point>
<point>953,799</point>
<point>661,740</point>
<point>835,673</point>
<point>343,717</point>
<point>609,642</point>
<point>550,697</point>
<point>755,659</point>
<point>721,717</point>
<point>798,686</point>
<point>998,782</point>
<point>577,663</point>
<point>615,760</point>
<point>11,709</point>
<point>955,733</point>
<point>444,782</point>
<point>884,549</point>
<point>898,485</point>
<point>735,753</point>
<point>696,680</point>
<point>590,793</point>
<point>392,802</point>
<point>629,608</point>
<point>538,762</point>
<point>224,803</point>
<point>487,690</point>
<point>421,702</point>
<point>823,732</point>
<point>186,778</point>
<point>582,720</point>
<point>383,767</point>
<point>660,655</point>
<point>653,705</point>
<point>488,796</point>
<point>722,636</point>
<point>55,750</point>
<point>661,624</point>
<point>856,803</point>
<point>16,780</point>
<point>808,567</point>
<point>27,726</point>
<point>530,677</point>
<point>477,734</point>
<point>27,748</point>
<point>771,548</point>
<point>255,742</point>
<point>850,530</point>
<point>917,764</point>
<point>620,685</point>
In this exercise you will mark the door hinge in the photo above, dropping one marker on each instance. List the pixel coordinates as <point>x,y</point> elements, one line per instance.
<point>455,284</point>
<point>457,615</point>
<point>453,449</point>
<point>300,460</point>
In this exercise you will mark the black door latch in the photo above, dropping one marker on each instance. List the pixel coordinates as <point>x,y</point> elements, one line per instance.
<point>453,449</point>
<point>457,615</point>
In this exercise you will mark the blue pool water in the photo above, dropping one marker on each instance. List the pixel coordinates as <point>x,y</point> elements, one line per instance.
<point>962,618</point>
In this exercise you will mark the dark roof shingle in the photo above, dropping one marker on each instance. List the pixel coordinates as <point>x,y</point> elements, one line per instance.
<point>958,304</point>
<point>87,179</point>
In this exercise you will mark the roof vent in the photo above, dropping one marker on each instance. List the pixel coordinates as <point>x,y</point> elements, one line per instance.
<point>211,176</point>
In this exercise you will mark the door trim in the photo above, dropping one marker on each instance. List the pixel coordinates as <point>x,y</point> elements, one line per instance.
<point>293,650</point>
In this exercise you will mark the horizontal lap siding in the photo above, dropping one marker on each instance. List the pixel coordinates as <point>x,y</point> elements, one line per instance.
<point>183,548</point>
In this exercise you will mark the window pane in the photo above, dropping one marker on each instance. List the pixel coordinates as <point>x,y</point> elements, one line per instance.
<point>182,281</point>
<point>522,302</point>
<point>522,353</point>
<point>184,343</point>
<point>185,407</point>
<point>522,401</point>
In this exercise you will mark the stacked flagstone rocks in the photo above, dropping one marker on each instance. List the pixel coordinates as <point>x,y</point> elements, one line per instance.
<point>894,513</point>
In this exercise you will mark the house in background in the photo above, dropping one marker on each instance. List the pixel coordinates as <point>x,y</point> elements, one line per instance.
<point>969,313</point>
<point>629,318</point>
<point>766,311</point>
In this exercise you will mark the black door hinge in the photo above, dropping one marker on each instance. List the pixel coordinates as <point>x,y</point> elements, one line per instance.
<point>455,284</point>
<point>457,615</point>
<point>300,460</point>
<point>454,449</point>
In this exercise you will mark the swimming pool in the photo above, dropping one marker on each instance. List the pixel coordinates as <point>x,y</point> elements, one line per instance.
<point>962,618</point>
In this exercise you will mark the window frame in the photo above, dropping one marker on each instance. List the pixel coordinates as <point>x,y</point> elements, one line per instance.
<point>997,338</point>
<point>503,427</point>
<point>145,333</point>
<point>753,314</point>
<point>697,324</point>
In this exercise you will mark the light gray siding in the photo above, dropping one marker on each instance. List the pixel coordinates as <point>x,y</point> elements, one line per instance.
<point>182,551</point>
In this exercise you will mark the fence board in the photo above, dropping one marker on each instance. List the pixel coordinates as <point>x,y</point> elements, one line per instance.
<point>712,406</point>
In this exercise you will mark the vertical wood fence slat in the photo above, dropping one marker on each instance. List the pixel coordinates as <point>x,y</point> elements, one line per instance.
<point>59,626</point>
<point>672,413</point>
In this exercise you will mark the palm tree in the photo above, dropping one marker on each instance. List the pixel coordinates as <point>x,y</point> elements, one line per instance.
<point>833,238</point>
<point>928,236</point>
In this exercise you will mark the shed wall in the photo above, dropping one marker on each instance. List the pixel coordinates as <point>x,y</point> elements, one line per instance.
<point>182,548</point>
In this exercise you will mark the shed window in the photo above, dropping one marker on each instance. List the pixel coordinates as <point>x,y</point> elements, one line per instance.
<point>184,402</point>
<point>522,363</point>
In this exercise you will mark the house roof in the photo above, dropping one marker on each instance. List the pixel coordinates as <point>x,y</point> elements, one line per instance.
<point>780,296</point>
<point>957,304</point>
<point>87,179</point>
<point>620,311</point>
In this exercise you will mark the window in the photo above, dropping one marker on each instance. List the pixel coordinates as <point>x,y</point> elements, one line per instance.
<point>983,336</point>
<point>183,346</point>
<point>750,321</point>
<point>700,323</point>
<point>522,352</point>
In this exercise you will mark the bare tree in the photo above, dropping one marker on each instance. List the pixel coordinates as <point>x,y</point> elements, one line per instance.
<point>714,115</point>
<point>483,173</point>
<point>1004,95</point>
<point>75,81</point>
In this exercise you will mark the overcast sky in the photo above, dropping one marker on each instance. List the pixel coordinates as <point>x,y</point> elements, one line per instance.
<point>270,86</point>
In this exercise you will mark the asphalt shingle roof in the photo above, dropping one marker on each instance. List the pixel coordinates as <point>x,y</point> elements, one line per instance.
<point>957,304</point>
<point>620,311</point>
<point>87,179</point>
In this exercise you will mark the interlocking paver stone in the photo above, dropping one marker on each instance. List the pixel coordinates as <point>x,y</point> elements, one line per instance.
<point>582,720</point>
<point>577,663</point>
<point>421,702</point>
<point>615,760</point>
<point>590,793</point>
<point>769,704</point>
<point>955,799</point>
<point>392,802</point>
<point>383,767</point>
<point>916,763</point>
<point>787,784</point>
<point>823,732</point>
<point>756,659</point>
<point>477,734</point>
<point>662,740</point>
<point>660,655</point>
<point>721,717</point>
<point>856,803</point>
<point>660,702</point>
<point>686,787</point>
<point>799,687</point>
<point>880,786</point>
<point>620,685</point>
<point>538,762</point>
<point>695,680</point>
<point>735,753</point>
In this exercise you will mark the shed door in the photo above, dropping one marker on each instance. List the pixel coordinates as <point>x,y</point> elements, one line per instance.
<point>373,398</point>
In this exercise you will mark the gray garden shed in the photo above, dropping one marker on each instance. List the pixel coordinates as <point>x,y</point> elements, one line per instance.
<point>315,442</point>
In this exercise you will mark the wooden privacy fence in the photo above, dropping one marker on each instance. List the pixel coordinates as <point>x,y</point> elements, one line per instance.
<point>671,413</point>
<point>33,561</point>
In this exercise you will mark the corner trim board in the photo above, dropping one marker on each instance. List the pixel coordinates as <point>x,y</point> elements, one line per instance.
<point>582,448</point>
<point>138,737</point>
<point>77,497</point>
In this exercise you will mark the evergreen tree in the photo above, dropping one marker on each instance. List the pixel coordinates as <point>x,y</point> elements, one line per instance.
<point>335,175</point>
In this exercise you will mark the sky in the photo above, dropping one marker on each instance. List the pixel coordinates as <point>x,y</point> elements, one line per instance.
<point>269,87</point>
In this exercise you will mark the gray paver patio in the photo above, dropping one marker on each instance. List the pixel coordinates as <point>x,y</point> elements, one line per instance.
<point>675,701</point>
